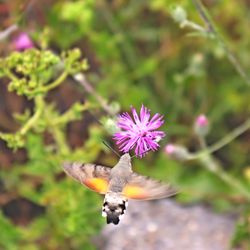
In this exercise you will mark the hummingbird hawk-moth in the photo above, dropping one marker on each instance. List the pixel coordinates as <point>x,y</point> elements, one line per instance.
<point>118,184</point>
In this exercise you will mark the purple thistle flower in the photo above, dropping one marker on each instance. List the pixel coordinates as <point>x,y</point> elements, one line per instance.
<point>139,132</point>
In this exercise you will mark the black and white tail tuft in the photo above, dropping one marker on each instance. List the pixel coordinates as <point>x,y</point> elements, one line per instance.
<point>114,207</point>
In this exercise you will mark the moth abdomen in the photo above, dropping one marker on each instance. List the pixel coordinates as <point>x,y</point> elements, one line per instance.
<point>114,207</point>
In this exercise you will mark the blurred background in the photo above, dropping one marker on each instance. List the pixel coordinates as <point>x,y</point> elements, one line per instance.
<point>162,54</point>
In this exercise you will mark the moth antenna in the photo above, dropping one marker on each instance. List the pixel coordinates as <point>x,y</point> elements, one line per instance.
<point>104,142</point>
<point>95,118</point>
<point>113,150</point>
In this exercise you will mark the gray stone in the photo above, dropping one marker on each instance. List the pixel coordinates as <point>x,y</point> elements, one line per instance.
<point>166,225</point>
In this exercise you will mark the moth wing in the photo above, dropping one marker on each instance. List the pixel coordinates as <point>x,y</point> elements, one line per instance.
<point>95,177</point>
<point>144,188</point>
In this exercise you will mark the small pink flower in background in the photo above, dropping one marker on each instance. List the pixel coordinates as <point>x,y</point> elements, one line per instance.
<point>23,42</point>
<point>201,125</point>
<point>139,131</point>
<point>201,121</point>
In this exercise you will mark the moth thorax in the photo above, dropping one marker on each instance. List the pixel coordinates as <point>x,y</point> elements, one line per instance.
<point>114,207</point>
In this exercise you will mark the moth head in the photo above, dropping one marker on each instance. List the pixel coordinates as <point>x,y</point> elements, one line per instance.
<point>126,159</point>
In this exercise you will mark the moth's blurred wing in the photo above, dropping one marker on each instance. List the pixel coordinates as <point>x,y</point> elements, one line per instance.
<point>144,188</point>
<point>93,176</point>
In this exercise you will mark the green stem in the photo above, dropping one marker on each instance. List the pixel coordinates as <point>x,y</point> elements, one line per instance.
<point>56,83</point>
<point>60,140</point>
<point>81,79</point>
<point>10,75</point>
<point>232,181</point>
<point>224,141</point>
<point>192,25</point>
<point>69,115</point>
<point>205,155</point>
<point>43,89</point>
<point>209,163</point>
<point>202,142</point>
<point>39,105</point>
<point>214,30</point>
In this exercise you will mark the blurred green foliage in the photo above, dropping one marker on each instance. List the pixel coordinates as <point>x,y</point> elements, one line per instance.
<point>138,52</point>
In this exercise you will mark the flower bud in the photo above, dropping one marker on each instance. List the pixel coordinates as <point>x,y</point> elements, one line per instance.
<point>179,14</point>
<point>110,125</point>
<point>23,42</point>
<point>170,148</point>
<point>177,152</point>
<point>114,107</point>
<point>201,126</point>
